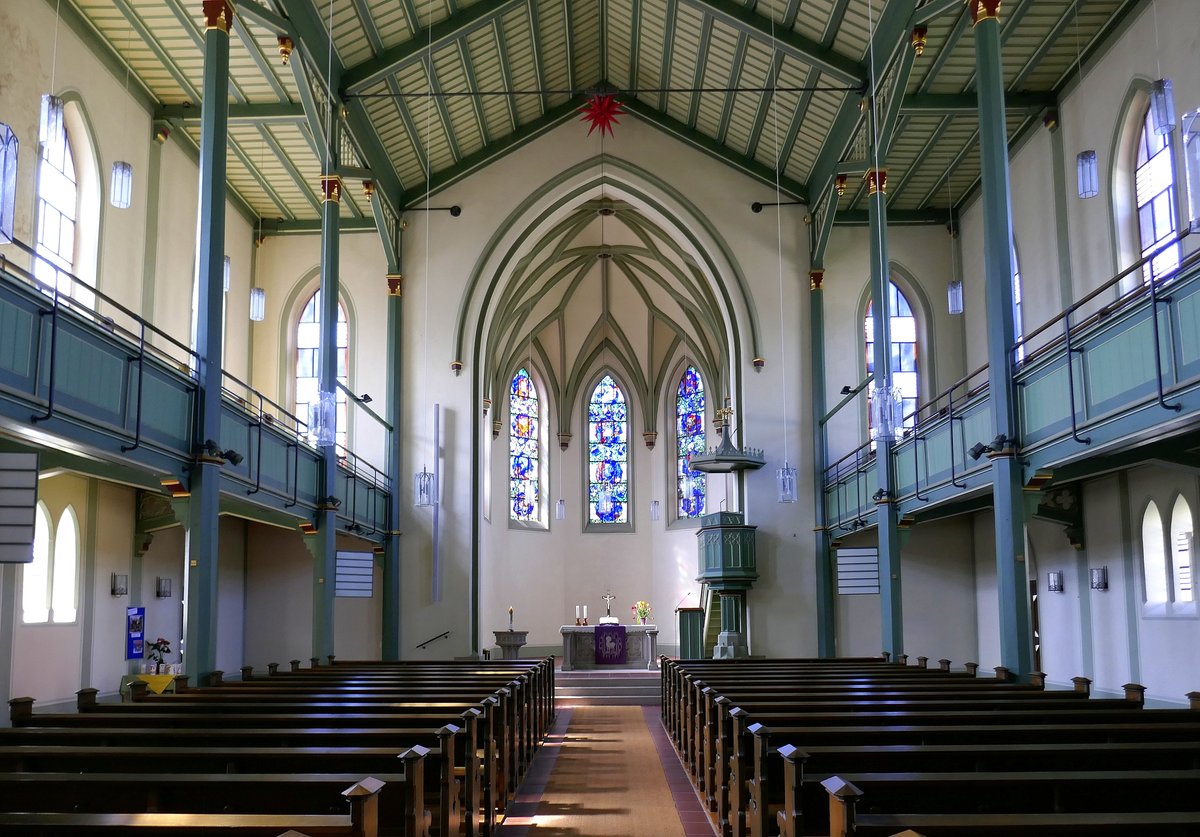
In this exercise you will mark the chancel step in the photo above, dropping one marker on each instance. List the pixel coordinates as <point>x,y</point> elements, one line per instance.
<point>607,688</point>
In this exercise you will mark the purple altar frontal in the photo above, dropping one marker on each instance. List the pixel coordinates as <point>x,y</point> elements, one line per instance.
<point>611,649</point>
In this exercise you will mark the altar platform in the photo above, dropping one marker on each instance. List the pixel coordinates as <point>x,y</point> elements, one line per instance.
<point>579,648</point>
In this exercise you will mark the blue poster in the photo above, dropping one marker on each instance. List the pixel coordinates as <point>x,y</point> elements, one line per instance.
<point>135,633</point>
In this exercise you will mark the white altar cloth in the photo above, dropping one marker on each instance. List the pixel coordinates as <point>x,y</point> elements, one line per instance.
<point>579,647</point>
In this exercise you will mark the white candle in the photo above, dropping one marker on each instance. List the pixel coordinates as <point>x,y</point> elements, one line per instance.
<point>585,611</point>
<point>577,613</point>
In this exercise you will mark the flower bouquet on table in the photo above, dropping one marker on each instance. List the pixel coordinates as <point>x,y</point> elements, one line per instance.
<point>158,650</point>
<point>641,612</point>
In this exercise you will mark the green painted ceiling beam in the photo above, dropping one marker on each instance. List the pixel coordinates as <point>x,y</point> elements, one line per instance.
<point>362,76</point>
<point>889,34</point>
<point>925,151</point>
<point>789,14</point>
<point>368,24</point>
<point>568,34</point>
<point>259,113</point>
<point>947,48</point>
<point>1019,137</point>
<point>668,51</point>
<point>887,131</point>
<point>814,75</point>
<point>306,188</point>
<point>192,150</point>
<point>505,73</point>
<point>539,67</point>
<point>833,64</point>
<point>765,103</point>
<point>971,144</point>
<point>464,55</point>
<point>275,226</point>
<point>698,74</point>
<point>735,76</point>
<point>439,102</point>
<point>260,60</point>
<point>689,136</point>
<point>826,219</point>
<point>895,217</point>
<point>280,204</point>
<point>1051,41</point>
<point>635,36</point>
<point>262,15</point>
<point>155,47</point>
<point>493,152</point>
<point>934,9</point>
<point>946,103</point>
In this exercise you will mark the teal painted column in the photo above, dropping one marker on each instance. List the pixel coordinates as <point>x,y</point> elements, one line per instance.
<point>886,519</point>
<point>200,579</point>
<point>391,546</point>
<point>1016,635</point>
<point>826,630</point>
<point>325,547</point>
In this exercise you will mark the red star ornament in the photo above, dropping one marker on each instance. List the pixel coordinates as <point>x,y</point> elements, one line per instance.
<point>601,111</point>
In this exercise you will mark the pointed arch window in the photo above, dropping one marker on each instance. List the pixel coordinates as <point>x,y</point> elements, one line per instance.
<point>1154,557</point>
<point>608,454</point>
<point>524,448</point>
<point>50,586</point>
<point>690,486</point>
<point>57,210</point>
<point>903,354</point>
<point>1181,552</point>
<point>308,365</point>
<point>1154,187</point>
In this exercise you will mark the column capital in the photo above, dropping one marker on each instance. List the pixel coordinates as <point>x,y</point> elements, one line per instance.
<point>395,283</point>
<point>331,188</point>
<point>218,14</point>
<point>816,278</point>
<point>984,10</point>
<point>876,181</point>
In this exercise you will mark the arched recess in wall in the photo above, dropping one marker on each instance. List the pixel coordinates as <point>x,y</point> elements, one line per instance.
<point>905,282</point>
<point>623,242</point>
<point>293,306</point>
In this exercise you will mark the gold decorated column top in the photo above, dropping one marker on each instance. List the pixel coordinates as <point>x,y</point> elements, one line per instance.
<point>218,14</point>
<point>984,10</point>
<point>816,278</point>
<point>876,181</point>
<point>331,188</point>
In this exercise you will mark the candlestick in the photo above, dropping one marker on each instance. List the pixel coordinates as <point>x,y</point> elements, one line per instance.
<point>510,622</point>
<point>585,611</point>
<point>577,613</point>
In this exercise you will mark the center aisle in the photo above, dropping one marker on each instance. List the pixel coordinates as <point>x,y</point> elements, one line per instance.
<point>601,773</point>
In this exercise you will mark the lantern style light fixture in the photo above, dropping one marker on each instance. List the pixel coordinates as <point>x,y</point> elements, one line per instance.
<point>121,187</point>
<point>785,481</point>
<point>1162,107</point>
<point>424,488</point>
<point>226,267</point>
<point>655,510</point>
<point>258,305</point>
<point>50,124</point>
<point>560,509</point>
<point>1087,170</point>
<point>954,296</point>
<point>887,412</point>
<point>1191,157</point>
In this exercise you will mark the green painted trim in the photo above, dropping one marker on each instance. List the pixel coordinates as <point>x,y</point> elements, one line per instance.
<point>150,245</point>
<point>968,103</point>
<point>736,68</point>
<point>664,72</point>
<point>1062,230</point>
<point>1024,133</point>
<point>1129,565</point>
<point>706,27</point>
<point>10,610</point>
<point>896,98</point>
<point>260,61</point>
<point>262,112</point>
<point>535,47</point>
<point>833,64</point>
<point>192,151</point>
<point>764,107</point>
<point>104,52</point>
<point>443,113</point>
<point>926,149</point>
<point>305,187</point>
<point>1124,139</point>
<point>306,226</point>
<point>934,9</point>
<point>896,217</point>
<point>152,43</point>
<point>88,557</point>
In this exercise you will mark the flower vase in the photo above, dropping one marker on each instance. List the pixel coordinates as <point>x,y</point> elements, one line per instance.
<point>158,668</point>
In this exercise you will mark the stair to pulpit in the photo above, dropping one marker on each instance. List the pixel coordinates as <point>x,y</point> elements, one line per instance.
<point>607,688</point>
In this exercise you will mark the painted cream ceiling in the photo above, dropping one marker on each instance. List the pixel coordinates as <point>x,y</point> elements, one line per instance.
<point>442,88</point>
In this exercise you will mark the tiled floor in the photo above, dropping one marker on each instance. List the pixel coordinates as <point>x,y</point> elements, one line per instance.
<point>691,812</point>
<point>523,808</point>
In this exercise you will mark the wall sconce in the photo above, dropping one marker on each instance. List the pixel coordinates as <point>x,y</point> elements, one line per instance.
<point>954,296</point>
<point>212,449</point>
<point>121,185</point>
<point>258,305</point>
<point>1099,578</point>
<point>1087,170</point>
<point>995,446</point>
<point>847,389</point>
<point>120,585</point>
<point>162,588</point>
<point>655,510</point>
<point>977,450</point>
<point>1054,581</point>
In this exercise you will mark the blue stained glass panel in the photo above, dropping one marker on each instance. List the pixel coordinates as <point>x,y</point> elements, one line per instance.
<point>608,453</point>
<point>524,447</point>
<point>691,486</point>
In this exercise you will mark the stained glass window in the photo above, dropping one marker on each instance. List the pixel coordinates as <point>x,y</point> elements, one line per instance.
<point>608,454</point>
<point>308,364</point>
<point>1154,183</point>
<point>524,448</point>
<point>903,354</point>
<point>689,439</point>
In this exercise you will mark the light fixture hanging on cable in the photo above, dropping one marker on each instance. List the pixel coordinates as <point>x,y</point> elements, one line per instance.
<point>1191,157</point>
<point>50,122</point>
<point>120,189</point>
<point>1162,100</point>
<point>1088,173</point>
<point>258,305</point>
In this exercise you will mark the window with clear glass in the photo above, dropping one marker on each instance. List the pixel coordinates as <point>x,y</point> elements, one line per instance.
<point>1154,556</point>
<point>608,454</point>
<point>57,209</point>
<point>50,584</point>
<point>308,365</point>
<point>690,486</point>
<point>524,448</point>
<point>1154,186</point>
<point>903,354</point>
<point>8,182</point>
<point>1181,551</point>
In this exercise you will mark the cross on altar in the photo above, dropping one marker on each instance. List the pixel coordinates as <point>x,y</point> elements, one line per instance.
<point>608,618</point>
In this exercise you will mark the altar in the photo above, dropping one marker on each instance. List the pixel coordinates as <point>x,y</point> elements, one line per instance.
<point>579,647</point>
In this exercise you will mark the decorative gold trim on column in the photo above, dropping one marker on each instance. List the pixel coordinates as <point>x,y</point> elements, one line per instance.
<point>395,284</point>
<point>984,10</point>
<point>456,366</point>
<point>920,36</point>
<point>816,278</point>
<point>564,440</point>
<point>331,188</point>
<point>839,184</point>
<point>369,189</point>
<point>876,181</point>
<point>286,45</point>
<point>218,14</point>
<point>759,362</point>
<point>650,437</point>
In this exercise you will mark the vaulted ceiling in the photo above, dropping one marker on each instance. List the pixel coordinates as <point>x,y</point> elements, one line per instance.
<point>438,89</point>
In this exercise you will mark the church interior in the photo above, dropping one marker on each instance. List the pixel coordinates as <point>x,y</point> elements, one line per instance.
<point>384,330</point>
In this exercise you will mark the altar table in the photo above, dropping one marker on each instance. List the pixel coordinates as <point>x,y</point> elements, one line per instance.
<point>579,647</point>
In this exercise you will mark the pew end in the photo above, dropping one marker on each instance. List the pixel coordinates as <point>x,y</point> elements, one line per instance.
<point>843,797</point>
